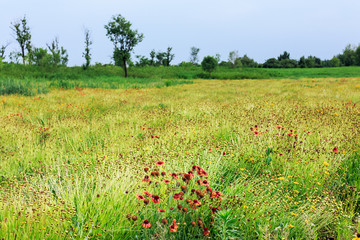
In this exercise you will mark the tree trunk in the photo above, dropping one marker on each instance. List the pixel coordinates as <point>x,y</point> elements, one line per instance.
<point>125,68</point>
<point>23,54</point>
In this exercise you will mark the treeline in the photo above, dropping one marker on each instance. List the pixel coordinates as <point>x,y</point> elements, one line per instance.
<point>124,39</point>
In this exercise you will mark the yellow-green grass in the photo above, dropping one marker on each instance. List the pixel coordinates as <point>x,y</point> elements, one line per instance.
<point>72,161</point>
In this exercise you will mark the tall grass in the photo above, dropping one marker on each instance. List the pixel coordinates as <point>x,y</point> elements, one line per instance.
<point>72,161</point>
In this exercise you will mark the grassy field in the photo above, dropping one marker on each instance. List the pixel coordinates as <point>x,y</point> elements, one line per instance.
<point>28,72</point>
<point>268,159</point>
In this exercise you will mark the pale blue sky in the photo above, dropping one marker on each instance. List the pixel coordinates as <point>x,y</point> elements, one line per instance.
<point>259,28</point>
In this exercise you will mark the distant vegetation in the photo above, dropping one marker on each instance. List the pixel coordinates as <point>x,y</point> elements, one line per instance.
<point>125,39</point>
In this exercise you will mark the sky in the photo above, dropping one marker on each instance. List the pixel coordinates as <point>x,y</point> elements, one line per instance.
<point>259,28</point>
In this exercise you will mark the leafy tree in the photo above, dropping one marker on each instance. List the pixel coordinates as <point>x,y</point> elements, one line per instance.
<point>334,62</point>
<point>194,58</point>
<point>209,64</point>
<point>272,63</point>
<point>348,57</point>
<point>41,57</point>
<point>169,56</point>
<point>152,57</point>
<point>248,62</point>
<point>302,63</point>
<point>86,53</point>
<point>233,55</point>
<point>59,54</point>
<point>124,39</point>
<point>2,50</point>
<point>288,63</point>
<point>357,55</point>
<point>142,61</point>
<point>284,56</point>
<point>15,56</point>
<point>22,36</point>
<point>160,58</point>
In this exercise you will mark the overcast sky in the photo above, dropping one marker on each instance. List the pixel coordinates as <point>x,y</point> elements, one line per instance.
<point>259,28</point>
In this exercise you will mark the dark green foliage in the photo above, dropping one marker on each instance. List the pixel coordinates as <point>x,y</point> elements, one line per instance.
<point>272,63</point>
<point>23,37</point>
<point>124,39</point>
<point>209,64</point>
<point>169,56</point>
<point>248,62</point>
<point>284,56</point>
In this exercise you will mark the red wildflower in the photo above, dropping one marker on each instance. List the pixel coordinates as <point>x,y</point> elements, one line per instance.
<point>204,182</point>
<point>146,178</point>
<point>173,227</point>
<point>177,196</point>
<point>146,224</point>
<point>140,197</point>
<point>196,168</point>
<point>206,231</point>
<point>256,127</point>
<point>155,199</point>
<point>167,181</point>
<point>159,163</point>
<point>214,209</point>
<point>163,173</point>
<point>195,203</point>
<point>147,193</point>
<point>203,173</point>
<point>209,149</point>
<point>174,175</point>
<point>161,210</point>
<point>278,127</point>
<point>146,169</point>
<point>335,150</point>
<point>256,132</point>
<point>146,201</point>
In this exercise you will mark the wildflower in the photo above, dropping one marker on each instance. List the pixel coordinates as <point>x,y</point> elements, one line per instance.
<point>140,197</point>
<point>146,224</point>
<point>146,201</point>
<point>214,209</point>
<point>335,150</point>
<point>193,224</point>
<point>183,188</point>
<point>161,210</point>
<point>174,175</point>
<point>155,199</point>
<point>294,214</point>
<point>200,223</point>
<point>146,179</point>
<point>185,210</point>
<point>128,216</point>
<point>164,221</point>
<point>326,164</point>
<point>256,132</point>
<point>147,193</point>
<point>179,206</point>
<point>187,178</point>
<point>278,127</point>
<point>176,196</point>
<point>173,227</point>
<point>163,173</point>
<point>281,178</point>
<point>206,231</point>
<point>357,236</point>
<point>204,182</point>
<point>146,169</point>
<point>167,181</point>
<point>159,163</point>
<point>290,226</point>
<point>134,218</point>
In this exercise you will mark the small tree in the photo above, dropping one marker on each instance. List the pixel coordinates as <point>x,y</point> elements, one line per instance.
<point>209,64</point>
<point>124,38</point>
<point>194,59</point>
<point>284,56</point>
<point>233,55</point>
<point>86,53</point>
<point>59,54</point>
<point>152,57</point>
<point>169,56</point>
<point>22,36</point>
<point>2,50</point>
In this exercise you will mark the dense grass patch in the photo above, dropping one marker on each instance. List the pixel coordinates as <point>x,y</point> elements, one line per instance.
<point>280,159</point>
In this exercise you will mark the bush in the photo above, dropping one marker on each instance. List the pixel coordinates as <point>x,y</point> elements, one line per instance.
<point>209,64</point>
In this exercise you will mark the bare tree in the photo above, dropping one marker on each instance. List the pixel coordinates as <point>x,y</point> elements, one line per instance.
<point>194,59</point>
